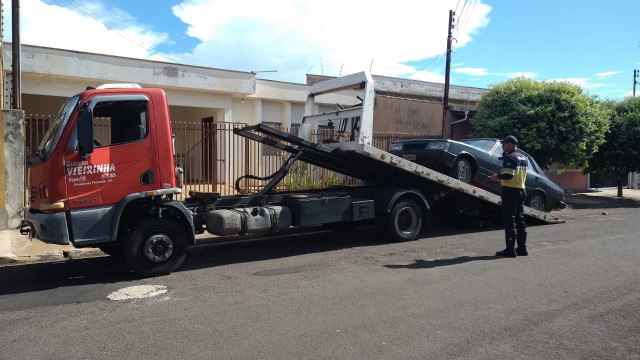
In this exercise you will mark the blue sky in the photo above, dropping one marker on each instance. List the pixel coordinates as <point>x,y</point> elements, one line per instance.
<point>591,43</point>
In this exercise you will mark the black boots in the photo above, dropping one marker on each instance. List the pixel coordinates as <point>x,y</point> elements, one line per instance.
<point>522,244</point>
<point>508,251</point>
<point>511,242</point>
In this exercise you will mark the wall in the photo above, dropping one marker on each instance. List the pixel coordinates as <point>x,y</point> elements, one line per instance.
<point>407,116</point>
<point>297,112</point>
<point>569,179</point>
<point>42,105</point>
<point>272,112</point>
<point>12,168</point>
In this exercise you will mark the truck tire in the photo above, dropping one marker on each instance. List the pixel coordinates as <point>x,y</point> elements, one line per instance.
<point>156,246</point>
<point>405,221</point>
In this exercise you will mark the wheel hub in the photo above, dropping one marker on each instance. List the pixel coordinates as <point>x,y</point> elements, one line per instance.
<point>464,173</point>
<point>158,248</point>
<point>406,220</point>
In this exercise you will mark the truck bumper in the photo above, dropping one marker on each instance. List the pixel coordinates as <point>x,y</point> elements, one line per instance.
<point>51,228</point>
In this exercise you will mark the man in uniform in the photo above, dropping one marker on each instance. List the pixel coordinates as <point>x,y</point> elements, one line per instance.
<point>512,177</point>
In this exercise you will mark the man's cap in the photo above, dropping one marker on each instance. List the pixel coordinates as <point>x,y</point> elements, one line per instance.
<point>510,139</point>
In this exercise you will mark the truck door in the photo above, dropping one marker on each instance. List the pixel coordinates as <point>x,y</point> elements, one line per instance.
<point>123,160</point>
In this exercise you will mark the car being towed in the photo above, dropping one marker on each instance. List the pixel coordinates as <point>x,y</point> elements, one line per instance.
<point>474,160</point>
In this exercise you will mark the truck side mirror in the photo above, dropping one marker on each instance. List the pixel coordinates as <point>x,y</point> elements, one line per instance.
<point>85,131</point>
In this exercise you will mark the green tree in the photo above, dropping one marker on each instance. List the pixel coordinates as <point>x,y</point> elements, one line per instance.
<point>555,122</point>
<point>620,153</point>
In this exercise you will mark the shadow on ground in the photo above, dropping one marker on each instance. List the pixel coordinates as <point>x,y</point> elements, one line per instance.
<point>428,264</point>
<point>34,277</point>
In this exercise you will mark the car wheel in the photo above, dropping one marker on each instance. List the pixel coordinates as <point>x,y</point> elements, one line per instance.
<point>404,221</point>
<point>156,247</point>
<point>463,171</point>
<point>536,200</point>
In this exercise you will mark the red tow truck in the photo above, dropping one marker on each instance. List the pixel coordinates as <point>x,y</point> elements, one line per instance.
<point>115,189</point>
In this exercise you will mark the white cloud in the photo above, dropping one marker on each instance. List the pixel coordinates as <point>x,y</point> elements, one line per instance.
<point>331,37</point>
<point>91,27</point>
<point>576,81</point>
<point>604,75</point>
<point>582,82</point>
<point>472,71</point>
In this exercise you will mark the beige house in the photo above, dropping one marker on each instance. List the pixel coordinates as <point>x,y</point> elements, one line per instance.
<point>51,75</point>
<point>200,97</point>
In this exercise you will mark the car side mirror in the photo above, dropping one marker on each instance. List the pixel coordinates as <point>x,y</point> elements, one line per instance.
<point>85,131</point>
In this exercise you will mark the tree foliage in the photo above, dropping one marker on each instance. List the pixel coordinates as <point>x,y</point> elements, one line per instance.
<point>555,122</point>
<point>620,153</point>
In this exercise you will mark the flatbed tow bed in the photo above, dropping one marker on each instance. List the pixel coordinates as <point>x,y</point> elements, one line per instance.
<point>377,167</point>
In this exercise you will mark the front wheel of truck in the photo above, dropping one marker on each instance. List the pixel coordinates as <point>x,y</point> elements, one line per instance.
<point>155,247</point>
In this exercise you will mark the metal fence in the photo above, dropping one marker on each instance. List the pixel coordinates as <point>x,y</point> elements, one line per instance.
<point>213,157</point>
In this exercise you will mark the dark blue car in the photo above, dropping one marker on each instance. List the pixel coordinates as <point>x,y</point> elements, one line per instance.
<point>473,160</point>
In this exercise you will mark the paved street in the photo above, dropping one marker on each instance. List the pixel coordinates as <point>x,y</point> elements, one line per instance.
<point>347,296</point>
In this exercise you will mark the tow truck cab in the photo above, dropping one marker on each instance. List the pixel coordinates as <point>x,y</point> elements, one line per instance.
<point>104,145</point>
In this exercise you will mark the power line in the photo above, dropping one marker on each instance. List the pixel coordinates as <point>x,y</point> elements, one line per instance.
<point>437,64</point>
<point>430,62</point>
<point>461,16</point>
<point>470,10</point>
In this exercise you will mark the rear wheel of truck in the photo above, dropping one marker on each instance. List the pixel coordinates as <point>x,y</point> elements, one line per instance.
<point>155,247</point>
<point>404,221</point>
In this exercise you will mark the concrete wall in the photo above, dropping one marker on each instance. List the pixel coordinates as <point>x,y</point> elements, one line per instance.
<point>407,116</point>
<point>12,168</point>
<point>569,179</point>
<point>273,112</point>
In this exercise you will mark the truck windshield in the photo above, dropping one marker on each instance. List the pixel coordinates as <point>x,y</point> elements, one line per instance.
<point>51,138</point>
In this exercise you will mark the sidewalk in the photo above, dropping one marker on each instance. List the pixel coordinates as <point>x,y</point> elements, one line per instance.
<point>16,248</point>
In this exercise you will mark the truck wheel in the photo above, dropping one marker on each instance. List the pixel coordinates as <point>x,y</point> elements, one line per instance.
<point>405,221</point>
<point>463,171</point>
<point>156,247</point>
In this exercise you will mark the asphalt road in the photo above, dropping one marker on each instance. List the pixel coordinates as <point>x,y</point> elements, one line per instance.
<point>336,296</point>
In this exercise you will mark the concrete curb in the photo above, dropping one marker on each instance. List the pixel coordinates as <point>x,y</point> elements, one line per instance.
<point>16,248</point>
<point>6,253</point>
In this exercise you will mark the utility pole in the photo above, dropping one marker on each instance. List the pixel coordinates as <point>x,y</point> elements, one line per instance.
<point>447,71</point>
<point>16,71</point>
<point>636,73</point>
<point>1,58</point>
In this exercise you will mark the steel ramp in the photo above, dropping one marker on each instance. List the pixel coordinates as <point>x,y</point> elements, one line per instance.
<point>375,166</point>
